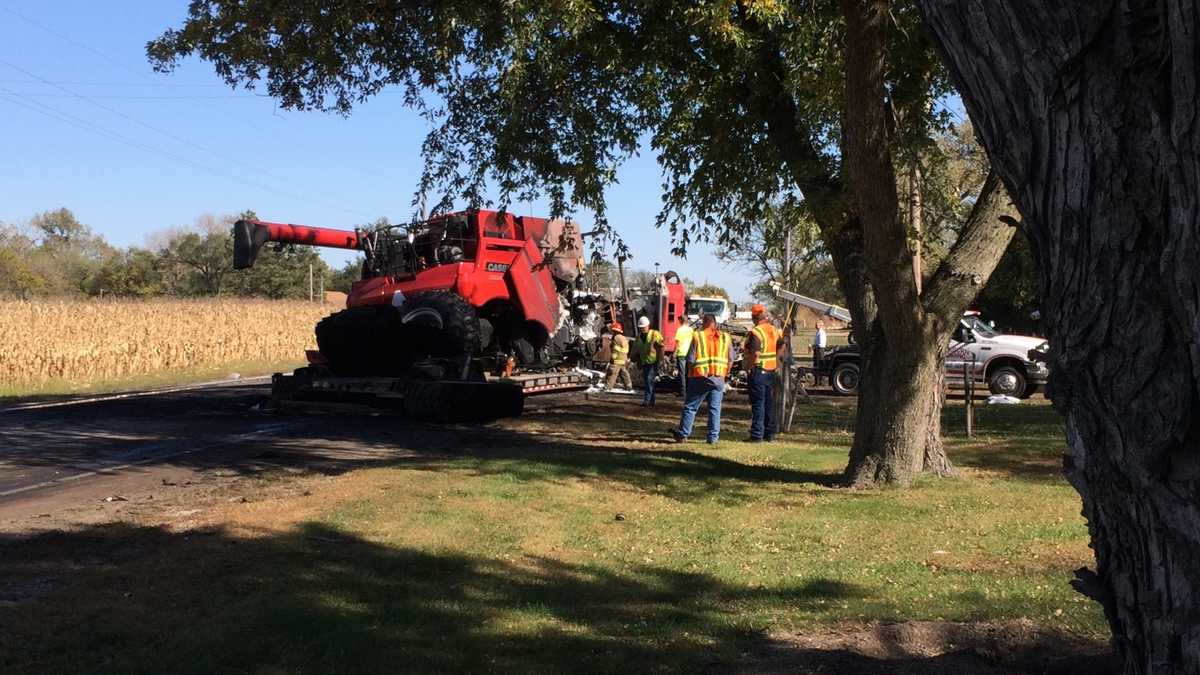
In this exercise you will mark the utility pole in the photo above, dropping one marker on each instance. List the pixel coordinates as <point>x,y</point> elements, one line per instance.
<point>310,283</point>
<point>626,313</point>
<point>621,275</point>
<point>916,217</point>
<point>785,386</point>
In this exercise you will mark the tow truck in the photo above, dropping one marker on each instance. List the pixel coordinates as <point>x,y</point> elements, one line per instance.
<point>1012,365</point>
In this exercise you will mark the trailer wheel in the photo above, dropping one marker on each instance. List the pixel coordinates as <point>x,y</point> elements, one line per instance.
<point>462,401</point>
<point>439,324</point>
<point>845,378</point>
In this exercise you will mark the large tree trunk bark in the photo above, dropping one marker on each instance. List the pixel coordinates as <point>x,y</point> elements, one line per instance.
<point>899,398</point>
<point>898,428</point>
<point>898,422</point>
<point>1089,111</point>
<point>892,422</point>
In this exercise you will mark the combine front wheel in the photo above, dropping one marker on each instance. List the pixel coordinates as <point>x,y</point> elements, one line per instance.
<point>439,324</point>
<point>360,341</point>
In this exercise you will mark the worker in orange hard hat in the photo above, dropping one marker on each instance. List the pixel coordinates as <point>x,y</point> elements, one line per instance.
<point>761,362</point>
<point>618,367</point>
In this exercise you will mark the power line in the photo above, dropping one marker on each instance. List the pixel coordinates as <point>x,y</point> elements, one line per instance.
<point>122,97</point>
<point>123,66</point>
<point>118,113</point>
<point>86,125</point>
<point>83,83</point>
<point>168,134</point>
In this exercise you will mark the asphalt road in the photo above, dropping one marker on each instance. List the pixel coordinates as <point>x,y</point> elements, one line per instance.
<point>62,455</point>
<point>45,447</point>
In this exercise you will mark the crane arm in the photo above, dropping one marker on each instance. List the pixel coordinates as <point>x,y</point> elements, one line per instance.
<point>839,313</point>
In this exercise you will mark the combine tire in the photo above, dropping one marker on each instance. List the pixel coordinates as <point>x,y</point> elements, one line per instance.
<point>462,401</point>
<point>361,341</point>
<point>439,324</point>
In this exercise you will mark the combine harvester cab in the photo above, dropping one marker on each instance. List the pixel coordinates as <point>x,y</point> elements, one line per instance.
<point>458,317</point>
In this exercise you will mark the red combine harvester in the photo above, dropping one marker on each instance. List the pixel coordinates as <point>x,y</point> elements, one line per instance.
<point>456,318</point>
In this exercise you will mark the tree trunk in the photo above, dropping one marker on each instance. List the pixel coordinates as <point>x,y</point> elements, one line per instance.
<point>898,427</point>
<point>1088,110</point>
<point>898,401</point>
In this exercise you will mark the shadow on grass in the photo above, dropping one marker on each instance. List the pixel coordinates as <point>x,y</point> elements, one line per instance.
<point>214,430</point>
<point>315,600</point>
<point>1025,442</point>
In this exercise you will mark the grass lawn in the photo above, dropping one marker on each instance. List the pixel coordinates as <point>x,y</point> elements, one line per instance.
<point>569,540</point>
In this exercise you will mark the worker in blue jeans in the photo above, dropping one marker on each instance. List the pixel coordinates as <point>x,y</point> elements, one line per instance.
<point>761,362</point>
<point>683,346</point>
<point>649,348</point>
<point>709,360</point>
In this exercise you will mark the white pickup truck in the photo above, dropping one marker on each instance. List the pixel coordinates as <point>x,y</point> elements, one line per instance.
<point>719,307</point>
<point>1000,361</point>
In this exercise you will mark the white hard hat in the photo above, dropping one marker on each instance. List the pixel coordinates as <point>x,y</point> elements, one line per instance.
<point>644,322</point>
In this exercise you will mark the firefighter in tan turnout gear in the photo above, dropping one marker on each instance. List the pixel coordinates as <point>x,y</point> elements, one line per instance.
<point>618,367</point>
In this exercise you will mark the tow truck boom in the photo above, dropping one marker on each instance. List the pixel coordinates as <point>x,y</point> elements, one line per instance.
<point>840,313</point>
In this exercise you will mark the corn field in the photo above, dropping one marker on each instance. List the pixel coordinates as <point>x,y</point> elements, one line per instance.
<point>91,340</point>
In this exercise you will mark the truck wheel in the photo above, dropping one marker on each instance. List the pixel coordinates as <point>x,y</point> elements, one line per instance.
<point>439,324</point>
<point>1007,380</point>
<point>845,378</point>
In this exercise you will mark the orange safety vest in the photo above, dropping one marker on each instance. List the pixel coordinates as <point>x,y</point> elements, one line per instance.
<point>712,353</point>
<point>768,338</point>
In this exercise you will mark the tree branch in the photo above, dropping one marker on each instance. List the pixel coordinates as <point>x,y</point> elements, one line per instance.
<point>974,256</point>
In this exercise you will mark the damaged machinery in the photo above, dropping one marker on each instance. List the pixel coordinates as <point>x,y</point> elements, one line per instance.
<point>455,318</point>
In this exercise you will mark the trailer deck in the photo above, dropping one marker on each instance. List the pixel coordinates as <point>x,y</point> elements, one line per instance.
<point>439,401</point>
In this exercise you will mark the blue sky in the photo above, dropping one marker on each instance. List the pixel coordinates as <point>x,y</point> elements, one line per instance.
<point>86,124</point>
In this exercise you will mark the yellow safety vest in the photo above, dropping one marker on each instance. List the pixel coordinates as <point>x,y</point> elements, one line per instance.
<point>712,354</point>
<point>768,337</point>
<point>683,340</point>
<point>647,354</point>
<point>620,350</point>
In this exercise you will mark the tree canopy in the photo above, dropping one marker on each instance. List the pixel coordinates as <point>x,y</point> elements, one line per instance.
<point>551,98</point>
<point>55,254</point>
<point>747,106</point>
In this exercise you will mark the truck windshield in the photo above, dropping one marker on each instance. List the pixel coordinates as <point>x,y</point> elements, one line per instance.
<point>702,307</point>
<point>981,329</point>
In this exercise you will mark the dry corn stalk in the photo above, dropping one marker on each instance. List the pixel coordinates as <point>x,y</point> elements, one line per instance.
<point>93,340</point>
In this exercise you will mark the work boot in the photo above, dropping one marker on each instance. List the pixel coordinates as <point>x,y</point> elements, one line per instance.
<point>676,436</point>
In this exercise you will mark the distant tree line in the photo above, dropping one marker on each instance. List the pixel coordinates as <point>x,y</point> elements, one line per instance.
<point>54,254</point>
